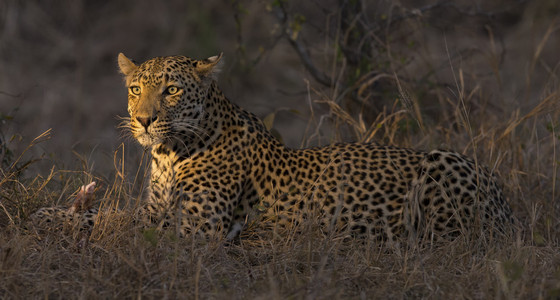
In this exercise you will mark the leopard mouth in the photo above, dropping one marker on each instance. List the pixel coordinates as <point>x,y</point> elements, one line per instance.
<point>148,139</point>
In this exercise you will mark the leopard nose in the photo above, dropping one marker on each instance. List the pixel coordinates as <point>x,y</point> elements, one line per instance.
<point>146,121</point>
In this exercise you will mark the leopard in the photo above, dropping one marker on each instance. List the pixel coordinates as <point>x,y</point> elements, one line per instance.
<point>215,168</point>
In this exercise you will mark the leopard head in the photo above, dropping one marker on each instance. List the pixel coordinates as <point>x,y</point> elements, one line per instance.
<point>166,97</point>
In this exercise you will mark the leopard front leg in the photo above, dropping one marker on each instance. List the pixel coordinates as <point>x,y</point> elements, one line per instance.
<point>205,213</point>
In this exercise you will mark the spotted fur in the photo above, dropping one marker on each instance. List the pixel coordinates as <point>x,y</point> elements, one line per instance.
<point>215,167</point>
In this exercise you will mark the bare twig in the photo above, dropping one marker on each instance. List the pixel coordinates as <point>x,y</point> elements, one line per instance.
<point>302,52</point>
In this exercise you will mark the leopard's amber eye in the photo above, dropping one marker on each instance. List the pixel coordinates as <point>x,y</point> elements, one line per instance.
<point>135,90</point>
<point>172,90</point>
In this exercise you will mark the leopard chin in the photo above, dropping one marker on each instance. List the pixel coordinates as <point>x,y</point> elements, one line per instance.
<point>148,140</point>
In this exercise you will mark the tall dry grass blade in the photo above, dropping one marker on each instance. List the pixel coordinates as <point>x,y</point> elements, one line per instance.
<point>364,83</point>
<point>555,162</point>
<point>540,47</point>
<point>549,104</point>
<point>380,121</point>
<point>45,136</point>
<point>410,104</point>
<point>344,116</point>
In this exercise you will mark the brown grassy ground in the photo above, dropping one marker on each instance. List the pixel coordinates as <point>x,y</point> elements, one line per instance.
<point>482,81</point>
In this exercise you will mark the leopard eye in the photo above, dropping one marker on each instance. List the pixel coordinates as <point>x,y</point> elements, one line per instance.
<point>172,90</point>
<point>135,90</point>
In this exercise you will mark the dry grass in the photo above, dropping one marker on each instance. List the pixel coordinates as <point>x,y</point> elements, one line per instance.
<point>491,92</point>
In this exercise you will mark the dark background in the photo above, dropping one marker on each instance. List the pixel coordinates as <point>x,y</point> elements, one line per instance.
<point>58,65</point>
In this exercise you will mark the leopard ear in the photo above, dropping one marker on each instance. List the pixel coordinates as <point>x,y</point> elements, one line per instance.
<point>126,65</point>
<point>210,67</point>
